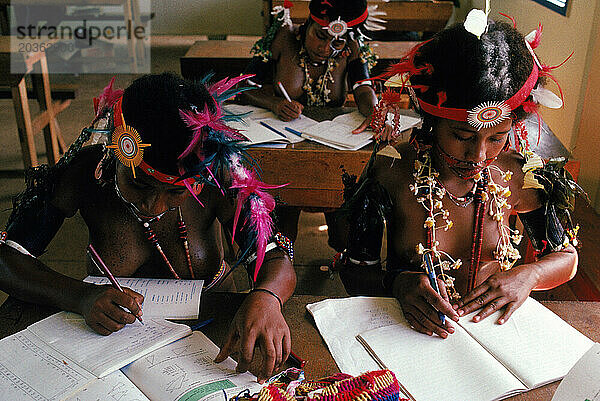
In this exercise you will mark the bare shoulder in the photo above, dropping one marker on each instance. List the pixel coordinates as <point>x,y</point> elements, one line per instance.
<point>285,39</point>
<point>521,199</point>
<point>76,180</point>
<point>394,173</point>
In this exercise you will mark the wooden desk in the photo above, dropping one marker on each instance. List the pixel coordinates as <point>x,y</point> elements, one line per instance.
<point>230,57</point>
<point>420,16</point>
<point>306,340</point>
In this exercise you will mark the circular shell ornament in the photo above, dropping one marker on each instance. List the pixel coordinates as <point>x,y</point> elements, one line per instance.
<point>488,114</point>
<point>127,146</point>
<point>337,28</point>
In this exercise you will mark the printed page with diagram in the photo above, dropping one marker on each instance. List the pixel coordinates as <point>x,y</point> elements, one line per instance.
<point>184,370</point>
<point>165,298</point>
<point>68,334</point>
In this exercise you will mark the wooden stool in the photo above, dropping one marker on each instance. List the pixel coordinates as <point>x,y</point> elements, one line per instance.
<point>46,120</point>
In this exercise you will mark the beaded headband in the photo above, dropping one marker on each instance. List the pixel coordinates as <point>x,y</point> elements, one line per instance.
<point>127,145</point>
<point>487,114</point>
<point>339,27</point>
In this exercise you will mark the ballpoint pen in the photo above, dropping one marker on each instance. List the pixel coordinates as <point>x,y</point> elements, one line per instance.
<point>264,124</point>
<point>433,281</point>
<point>283,91</point>
<point>102,266</point>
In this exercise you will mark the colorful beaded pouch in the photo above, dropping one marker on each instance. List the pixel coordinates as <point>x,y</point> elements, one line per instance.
<point>380,385</point>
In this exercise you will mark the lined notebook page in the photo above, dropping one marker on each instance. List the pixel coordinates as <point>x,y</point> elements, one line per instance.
<point>30,370</point>
<point>535,344</point>
<point>68,333</point>
<point>166,298</point>
<point>431,368</point>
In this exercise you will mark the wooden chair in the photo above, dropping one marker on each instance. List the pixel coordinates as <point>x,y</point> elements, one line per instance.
<point>46,120</point>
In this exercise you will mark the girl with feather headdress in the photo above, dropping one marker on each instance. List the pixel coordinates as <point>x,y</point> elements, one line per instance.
<point>166,174</point>
<point>447,200</point>
<point>317,63</point>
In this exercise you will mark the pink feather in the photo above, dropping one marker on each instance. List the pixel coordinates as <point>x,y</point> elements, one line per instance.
<point>107,98</point>
<point>225,84</point>
<point>260,209</point>
<point>197,121</point>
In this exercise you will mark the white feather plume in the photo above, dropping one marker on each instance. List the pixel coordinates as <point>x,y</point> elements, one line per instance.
<point>546,98</point>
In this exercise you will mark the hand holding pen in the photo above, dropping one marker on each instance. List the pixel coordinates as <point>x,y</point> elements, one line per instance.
<point>289,109</point>
<point>109,311</point>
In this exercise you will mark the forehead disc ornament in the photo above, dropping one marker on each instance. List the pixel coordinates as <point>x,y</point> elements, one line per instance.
<point>127,146</point>
<point>337,28</point>
<point>488,114</point>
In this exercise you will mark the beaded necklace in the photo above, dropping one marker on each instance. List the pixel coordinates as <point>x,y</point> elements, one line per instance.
<point>429,192</point>
<point>320,95</point>
<point>151,236</point>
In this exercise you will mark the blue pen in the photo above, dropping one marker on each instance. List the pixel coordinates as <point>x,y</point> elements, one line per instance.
<point>293,131</point>
<point>433,282</point>
<point>199,325</point>
<point>264,124</point>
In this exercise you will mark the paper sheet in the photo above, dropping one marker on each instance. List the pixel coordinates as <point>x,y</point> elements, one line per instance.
<point>166,298</point>
<point>582,383</point>
<point>340,320</point>
<point>184,370</point>
<point>30,370</point>
<point>68,333</point>
<point>114,387</point>
<point>532,343</point>
<point>432,368</point>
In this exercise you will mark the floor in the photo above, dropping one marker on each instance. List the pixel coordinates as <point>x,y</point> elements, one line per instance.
<point>66,253</point>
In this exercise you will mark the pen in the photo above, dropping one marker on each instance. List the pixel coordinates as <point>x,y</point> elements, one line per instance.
<point>433,282</point>
<point>102,266</point>
<point>264,124</point>
<point>296,360</point>
<point>201,324</point>
<point>283,91</point>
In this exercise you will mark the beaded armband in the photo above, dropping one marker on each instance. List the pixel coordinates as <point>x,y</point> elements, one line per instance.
<point>278,241</point>
<point>2,238</point>
<point>285,244</point>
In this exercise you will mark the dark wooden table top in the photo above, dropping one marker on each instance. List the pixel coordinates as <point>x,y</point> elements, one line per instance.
<point>16,315</point>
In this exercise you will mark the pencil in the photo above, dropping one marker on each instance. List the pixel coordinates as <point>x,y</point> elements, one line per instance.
<point>102,266</point>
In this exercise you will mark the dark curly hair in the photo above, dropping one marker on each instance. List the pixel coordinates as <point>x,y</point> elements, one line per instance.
<point>471,71</point>
<point>151,105</point>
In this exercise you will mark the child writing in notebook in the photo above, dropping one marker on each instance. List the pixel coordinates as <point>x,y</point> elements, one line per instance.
<point>316,63</point>
<point>153,193</point>
<point>447,201</point>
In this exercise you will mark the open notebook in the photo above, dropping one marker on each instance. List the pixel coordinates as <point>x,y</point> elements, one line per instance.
<point>262,126</point>
<point>480,361</point>
<point>165,298</point>
<point>60,354</point>
<point>181,370</point>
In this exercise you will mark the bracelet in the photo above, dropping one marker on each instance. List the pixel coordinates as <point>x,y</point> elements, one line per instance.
<point>269,292</point>
<point>3,237</point>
